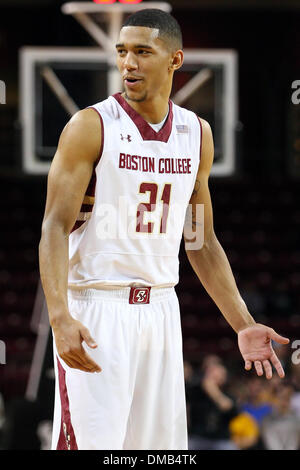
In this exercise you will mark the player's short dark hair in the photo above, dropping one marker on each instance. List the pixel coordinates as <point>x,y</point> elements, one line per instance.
<point>169,29</point>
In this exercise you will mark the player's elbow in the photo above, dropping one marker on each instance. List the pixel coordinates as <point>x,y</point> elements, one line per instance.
<point>53,227</point>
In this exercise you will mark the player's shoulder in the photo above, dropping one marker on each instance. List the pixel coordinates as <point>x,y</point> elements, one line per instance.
<point>82,123</point>
<point>207,147</point>
<point>206,134</point>
<point>204,124</point>
<point>81,136</point>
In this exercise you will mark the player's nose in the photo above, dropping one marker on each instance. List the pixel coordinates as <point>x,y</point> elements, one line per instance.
<point>130,61</point>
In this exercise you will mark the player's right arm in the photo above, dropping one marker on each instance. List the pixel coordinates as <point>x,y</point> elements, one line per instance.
<point>68,178</point>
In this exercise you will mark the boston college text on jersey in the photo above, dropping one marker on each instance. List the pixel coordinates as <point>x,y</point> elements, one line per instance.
<point>150,164</point>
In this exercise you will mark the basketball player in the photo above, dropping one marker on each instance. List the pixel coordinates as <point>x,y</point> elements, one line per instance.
<point>109,254</point>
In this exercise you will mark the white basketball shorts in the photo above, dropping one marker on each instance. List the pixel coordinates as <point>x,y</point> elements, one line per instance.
<point>138,399</point>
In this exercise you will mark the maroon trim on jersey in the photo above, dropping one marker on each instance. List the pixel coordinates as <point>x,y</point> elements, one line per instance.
<point>77,224</point>
<point>92,184</point>
<point>143,126</point>
<point>67,439</point>
<point>102,134</point>
<point>201,133</point>
<point>86,207</point>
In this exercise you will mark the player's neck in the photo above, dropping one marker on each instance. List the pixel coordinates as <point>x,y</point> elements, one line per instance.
<point>153,111</point>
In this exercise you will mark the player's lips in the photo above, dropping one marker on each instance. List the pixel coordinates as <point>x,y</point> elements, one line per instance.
<point>132,81</point>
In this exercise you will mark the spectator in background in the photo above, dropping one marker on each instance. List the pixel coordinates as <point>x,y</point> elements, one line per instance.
<point>281,429</point>
<point>244,431</point>
<point>295,381</point>
<point>257,403</point>
<point>211,409</point>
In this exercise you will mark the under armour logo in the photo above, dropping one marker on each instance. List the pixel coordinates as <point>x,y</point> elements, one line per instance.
<point>128,137</point>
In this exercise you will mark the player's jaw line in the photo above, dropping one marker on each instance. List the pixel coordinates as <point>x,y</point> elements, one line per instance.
<point>136,100</point>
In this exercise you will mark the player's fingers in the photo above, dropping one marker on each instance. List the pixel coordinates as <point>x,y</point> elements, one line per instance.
<point>86,361</point>
<point>268,369</point>
<point>80,366</point>
<point>258,368</point>
<point>74,364</point>
<point>278,338</point>
<point>277,364</point>
<point>248,365</point>
<point>86,336</point>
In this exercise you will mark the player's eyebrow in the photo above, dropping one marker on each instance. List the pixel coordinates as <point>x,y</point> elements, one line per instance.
<point>136,46</point>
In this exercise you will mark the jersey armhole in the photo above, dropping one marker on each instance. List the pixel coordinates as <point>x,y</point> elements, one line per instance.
<point>102,135</point>
<point>89,197</point>
<point>201,133</point>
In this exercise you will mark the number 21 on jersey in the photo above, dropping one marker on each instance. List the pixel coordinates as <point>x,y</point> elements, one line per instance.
<point>151,206</point>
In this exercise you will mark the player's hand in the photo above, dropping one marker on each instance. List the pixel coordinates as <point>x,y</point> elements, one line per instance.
<point>256,347</point>
<point>69,336</point>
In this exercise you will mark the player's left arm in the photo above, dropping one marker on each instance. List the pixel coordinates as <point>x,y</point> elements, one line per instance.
<point>213,269</point>
<point>210,262</point>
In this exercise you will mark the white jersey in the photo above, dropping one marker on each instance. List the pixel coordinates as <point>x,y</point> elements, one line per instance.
<point>130,226</point>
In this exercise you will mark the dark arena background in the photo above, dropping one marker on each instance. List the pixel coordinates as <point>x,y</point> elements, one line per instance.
<point>242,74</point>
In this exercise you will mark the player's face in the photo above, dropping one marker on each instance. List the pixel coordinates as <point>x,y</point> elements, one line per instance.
<point>143,61</point>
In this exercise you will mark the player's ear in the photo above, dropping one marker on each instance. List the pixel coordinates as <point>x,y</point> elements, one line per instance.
<point>177,60</point>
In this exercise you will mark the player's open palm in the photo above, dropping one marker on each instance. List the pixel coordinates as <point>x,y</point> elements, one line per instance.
<point>68,339</point>
<point>256,347</point>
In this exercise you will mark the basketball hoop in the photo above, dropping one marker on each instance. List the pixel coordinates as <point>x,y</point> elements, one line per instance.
<point>87,14</point>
